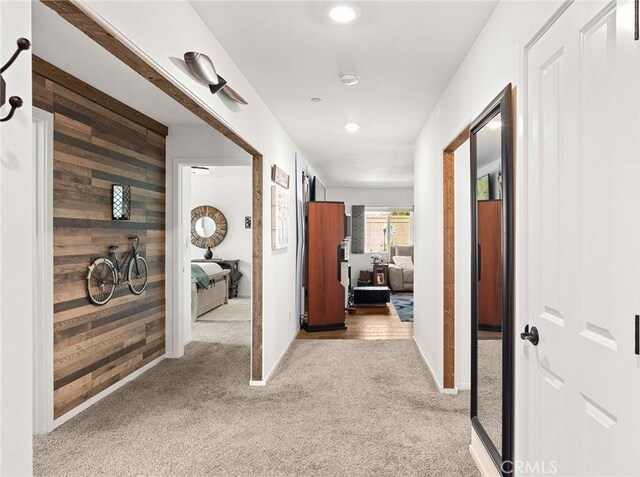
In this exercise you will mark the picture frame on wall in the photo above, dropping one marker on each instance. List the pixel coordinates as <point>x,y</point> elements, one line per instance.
<point>319,190</point>
<point>280,218</point>
<point>483,186</point>
<point>280,177</point>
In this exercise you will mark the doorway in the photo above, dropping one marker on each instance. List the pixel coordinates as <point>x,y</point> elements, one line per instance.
<point>159,286</point>
<point>451,204</point>
<point>216,222</point>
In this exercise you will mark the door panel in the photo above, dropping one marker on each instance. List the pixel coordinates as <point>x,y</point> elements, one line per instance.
<point>583,125</point>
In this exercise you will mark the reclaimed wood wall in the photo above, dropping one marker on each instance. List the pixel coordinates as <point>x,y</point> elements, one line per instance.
<point>99,141</point>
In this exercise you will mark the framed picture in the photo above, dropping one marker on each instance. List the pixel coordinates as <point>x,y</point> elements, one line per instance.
<point>483,188</point>
<point>280,218</point>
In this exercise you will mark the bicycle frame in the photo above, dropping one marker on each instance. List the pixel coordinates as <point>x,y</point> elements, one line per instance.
<point>120,267</point>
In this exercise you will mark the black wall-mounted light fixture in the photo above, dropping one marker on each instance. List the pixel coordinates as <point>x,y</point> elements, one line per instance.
<point>121,201</point>
<point>14,101</point>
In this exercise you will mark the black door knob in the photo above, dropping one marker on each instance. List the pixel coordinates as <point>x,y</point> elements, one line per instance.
<point>531,335</point>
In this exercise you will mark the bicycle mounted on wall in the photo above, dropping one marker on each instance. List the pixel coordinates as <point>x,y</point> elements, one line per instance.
<point>107,273</point>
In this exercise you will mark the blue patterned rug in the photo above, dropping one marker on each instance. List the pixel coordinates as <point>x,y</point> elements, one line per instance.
<point>404,306</point>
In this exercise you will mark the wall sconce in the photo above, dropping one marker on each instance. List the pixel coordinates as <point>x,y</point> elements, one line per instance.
<point>121,200</point>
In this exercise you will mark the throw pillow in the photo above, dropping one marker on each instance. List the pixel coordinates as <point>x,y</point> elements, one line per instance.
<point>403,262</point>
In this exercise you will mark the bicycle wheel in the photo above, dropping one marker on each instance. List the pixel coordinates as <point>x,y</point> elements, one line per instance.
<point>101,281</point>
<point>138,274</point>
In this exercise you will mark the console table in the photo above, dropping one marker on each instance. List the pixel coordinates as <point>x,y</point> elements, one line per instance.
<point>235,275</point>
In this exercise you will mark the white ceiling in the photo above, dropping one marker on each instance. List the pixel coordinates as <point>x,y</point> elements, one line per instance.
<point>404,52</point>
<point>58,42</point>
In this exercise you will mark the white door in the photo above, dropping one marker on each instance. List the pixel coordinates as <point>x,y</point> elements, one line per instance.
<point>583,284</point>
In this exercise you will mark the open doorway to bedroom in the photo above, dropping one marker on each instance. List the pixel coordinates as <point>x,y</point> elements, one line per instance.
<point>220,252</point>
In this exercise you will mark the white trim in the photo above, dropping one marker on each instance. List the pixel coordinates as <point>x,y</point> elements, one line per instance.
<point>263,382</point>
<point>43,273</point>
<point>481,457</point>
<point>433,374</point>
<point>103,394</point>
<point>463,386</point>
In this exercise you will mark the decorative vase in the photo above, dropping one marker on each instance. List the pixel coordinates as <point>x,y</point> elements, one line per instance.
<point>208,254</point>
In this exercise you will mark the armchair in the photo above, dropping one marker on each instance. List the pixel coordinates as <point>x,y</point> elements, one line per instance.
<point>401,278</point>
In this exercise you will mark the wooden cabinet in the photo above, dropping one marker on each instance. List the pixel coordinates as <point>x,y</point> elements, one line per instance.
<point>325,294</point>
<point>490,265</point>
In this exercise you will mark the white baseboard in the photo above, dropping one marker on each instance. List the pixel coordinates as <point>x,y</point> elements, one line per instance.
<point>188,340</point>
<point>433,374</point>
<point>103,394</point>
<point>263,382</point>
<point>463,387</point>
<point>481,457</point>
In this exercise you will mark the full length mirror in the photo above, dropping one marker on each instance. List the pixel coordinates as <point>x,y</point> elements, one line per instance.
<point>492,205</point>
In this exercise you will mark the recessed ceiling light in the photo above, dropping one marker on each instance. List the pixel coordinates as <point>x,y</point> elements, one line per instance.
<point>343,13</point>
<point>352,127</point>
<point>349,79</point>
<point>495,124</point>
<point>316,100</point>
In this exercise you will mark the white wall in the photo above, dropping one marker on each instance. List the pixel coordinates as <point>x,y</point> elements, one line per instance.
<point>17,230</point>
<point>492,63</point>
<point>462,214</point>
<point>370,198</point>
<point>169,30</point>
<point>228,188</point>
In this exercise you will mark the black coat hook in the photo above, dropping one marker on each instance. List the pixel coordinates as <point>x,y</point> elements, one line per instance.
<point>23,45</point>
<point>14,101</point>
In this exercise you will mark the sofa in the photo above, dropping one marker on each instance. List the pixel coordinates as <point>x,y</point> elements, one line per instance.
<point>401,276</point>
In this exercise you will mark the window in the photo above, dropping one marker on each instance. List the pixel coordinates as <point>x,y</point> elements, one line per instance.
<point>385,228</point>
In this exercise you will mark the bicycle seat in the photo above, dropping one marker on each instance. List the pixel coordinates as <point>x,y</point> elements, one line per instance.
<point>113,248</point>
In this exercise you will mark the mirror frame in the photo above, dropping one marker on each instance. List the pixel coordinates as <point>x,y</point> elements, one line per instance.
<point>221,226</point>
<point>501,104</point>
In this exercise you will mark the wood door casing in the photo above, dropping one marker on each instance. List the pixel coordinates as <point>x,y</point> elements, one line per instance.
<point>490,264</point>
<point>325,231</point>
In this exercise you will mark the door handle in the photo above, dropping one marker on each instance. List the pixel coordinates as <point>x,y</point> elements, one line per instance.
<point>533,336</point>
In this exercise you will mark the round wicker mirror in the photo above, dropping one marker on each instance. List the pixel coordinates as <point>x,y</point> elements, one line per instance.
<point>208,226</point>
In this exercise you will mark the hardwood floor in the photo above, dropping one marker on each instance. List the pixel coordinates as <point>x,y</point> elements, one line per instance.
<point>367,324</point>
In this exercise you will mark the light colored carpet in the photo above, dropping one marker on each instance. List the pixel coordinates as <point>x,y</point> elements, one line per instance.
<point>238,309</point>
<point>225,332</point>
<point>332,408</point>
<point>490,389</point>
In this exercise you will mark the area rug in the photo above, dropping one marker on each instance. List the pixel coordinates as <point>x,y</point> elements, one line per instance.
<point>404,306</point>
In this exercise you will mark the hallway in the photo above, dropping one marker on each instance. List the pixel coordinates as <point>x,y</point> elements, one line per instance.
<point>333,407</point>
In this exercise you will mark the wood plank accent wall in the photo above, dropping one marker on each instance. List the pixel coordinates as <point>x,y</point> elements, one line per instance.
<point>99,141</point>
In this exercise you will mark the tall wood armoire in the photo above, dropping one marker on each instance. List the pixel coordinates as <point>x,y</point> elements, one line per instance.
<point>325,294</point>
<point>490,265</point>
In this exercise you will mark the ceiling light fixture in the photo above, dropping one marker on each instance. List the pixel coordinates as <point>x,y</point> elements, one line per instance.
<point>349,79</point>
<point>343,13</point>
<point>352,127</point>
